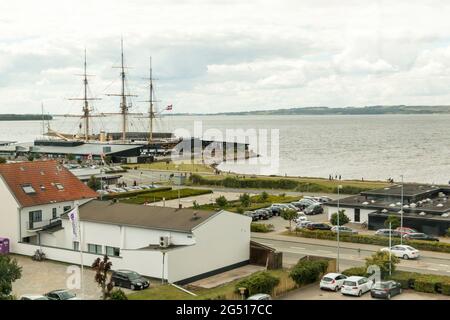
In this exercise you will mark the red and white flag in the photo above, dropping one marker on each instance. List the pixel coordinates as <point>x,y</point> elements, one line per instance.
<point>169,107</point>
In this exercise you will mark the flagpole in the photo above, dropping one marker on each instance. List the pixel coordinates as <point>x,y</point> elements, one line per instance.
<point>81,252</point>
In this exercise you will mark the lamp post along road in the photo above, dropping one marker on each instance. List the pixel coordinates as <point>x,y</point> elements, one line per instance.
<point>338,231</point>
<point>401,213</point>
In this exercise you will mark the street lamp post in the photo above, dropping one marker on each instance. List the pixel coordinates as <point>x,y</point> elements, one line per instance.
<point>390,245</point>
<point>338,231</point>
<point>401,213</point>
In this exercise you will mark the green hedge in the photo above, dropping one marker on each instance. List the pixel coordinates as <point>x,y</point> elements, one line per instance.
<point>133,193</point>
<point>308,271</point>
<point>267,183</point>
<point>356,271</point>
<point>259,282</point>
<point>446,287</point>
<point>375,240</point>
<point>167,195</point>
<point>261,227</point>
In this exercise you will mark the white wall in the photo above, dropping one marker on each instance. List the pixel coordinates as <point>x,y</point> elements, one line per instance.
<point>221,241</point>
<point>350,213</point>
<point>9,215</point>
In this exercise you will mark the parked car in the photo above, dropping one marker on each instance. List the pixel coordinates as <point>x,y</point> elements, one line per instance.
<point>303,224</point>
<point>300,217</point>
<point>420,236</point>
<point>314,209</point>
<point>304,203</point>
<point>33,297</point>
<point>318,226</point>
<point>129,279</point>
<point>262,214</point>
<point>386,289</point>
<point>252,214</point>
<point>404,230</point>
<point>403,251</point>
<point>356,286</point>
<point>387,232</point>
<point>323,199</point>
<point>343,229</point>
<point>61,294</point>
<point>332,281</point>
<point>260,296</point>
<point>291,206</point>
<point>276,209</point>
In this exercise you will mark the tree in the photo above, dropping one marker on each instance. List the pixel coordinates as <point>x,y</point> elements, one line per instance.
<point>393,220</point>
<point>101,268</point>
<point>2,160</point>
<point>263,196</point>
<point>259,282</point>
<point>245,200</point>
<point>343,219</point>
<point>70,157</point>
<point>30,157</point>
<point>222,201</point>
<point>94,183</point>
<point>289,214</point>
<point>10,271</point>
<point>381,259</point>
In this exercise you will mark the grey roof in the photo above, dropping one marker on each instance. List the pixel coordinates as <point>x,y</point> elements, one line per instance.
<point>150,217</point>
<point>409,190</point>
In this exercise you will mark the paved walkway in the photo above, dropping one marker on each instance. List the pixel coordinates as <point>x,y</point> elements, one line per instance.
<point>227,276</point>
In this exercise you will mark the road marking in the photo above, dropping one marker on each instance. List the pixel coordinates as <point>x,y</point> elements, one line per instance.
<point>432,269</point>
<point>324,251</point>
<point>299,248</point>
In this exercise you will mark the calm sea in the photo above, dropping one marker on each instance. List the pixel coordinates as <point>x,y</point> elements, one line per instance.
<point>369,147</point>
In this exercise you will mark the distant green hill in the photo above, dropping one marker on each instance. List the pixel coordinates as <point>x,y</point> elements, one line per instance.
<point>401,109</point>
<point>24,117</point>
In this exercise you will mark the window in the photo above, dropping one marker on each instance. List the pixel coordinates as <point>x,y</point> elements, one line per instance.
<point>35,216</point>
<point>54,213</point>
<point>28,189</point>
<point>76,246</point>
<point>67,208</point>
<point>94,248</point>
<point>357,215</point>
<point>59,186</point>
<point>112,252</point>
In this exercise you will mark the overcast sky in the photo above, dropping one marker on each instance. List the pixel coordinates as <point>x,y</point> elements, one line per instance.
<point>226,55</point>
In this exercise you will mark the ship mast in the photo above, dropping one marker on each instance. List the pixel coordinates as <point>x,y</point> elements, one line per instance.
<point>86,109</point>
<point>123,101</point>
<point>151,101</point>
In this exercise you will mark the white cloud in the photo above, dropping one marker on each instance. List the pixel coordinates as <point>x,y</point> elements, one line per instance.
<point>212,56</point>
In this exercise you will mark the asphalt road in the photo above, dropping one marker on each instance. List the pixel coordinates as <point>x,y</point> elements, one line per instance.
<point>352,257</point>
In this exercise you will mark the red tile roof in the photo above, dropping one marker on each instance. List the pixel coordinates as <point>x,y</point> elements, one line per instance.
<point>51,182</point>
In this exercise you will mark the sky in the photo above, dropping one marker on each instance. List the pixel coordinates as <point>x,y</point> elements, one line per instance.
<point>225,55</point>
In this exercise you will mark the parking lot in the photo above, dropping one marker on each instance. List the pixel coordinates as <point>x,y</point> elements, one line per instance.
<point>312,292</point>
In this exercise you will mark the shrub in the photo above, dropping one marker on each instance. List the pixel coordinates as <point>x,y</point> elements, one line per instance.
<point>263,196</point>
<point>383,261</point>
<point>393,221</point>
<point>118,294</point>
<point>308,271</point>
<point>406,279</point>
<point>343,219</point>
<point>2,160</point>
<point>448,232</point>
<point>221,201</point>
<point>261,227</point>
<point>94,183</point>
<point>245,200</point>
<point>428,283</point>
<point>259,282</point>
<point>356,271</point>
<point>135,193</point>
<point>446,287</point>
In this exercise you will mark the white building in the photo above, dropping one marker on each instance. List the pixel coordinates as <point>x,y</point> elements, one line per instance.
<point>33,195</point>
<point>179,245</point>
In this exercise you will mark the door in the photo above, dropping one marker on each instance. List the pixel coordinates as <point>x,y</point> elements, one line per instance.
<point>357,215</point>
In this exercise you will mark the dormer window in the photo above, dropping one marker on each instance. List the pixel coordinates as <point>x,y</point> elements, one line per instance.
<point>28,189</point>
<point>59,186</point>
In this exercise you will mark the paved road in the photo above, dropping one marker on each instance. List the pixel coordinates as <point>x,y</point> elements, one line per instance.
<point>351,255</point>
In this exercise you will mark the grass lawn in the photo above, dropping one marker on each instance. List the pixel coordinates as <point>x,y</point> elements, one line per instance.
<point>256,203</point>
<point>168,195</point>
<point>185,166</point>
<point>168,292</point>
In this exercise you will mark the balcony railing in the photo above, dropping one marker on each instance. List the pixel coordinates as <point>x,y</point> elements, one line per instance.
<point>44,224</point>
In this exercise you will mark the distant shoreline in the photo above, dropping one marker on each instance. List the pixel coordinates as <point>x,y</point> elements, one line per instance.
<point>24,117</point>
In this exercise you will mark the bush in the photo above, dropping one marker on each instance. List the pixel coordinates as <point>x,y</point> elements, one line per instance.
<point>446,287</point>
<point>259,282</point>
<point>428,283</point>
<point>356,271</point>
<point>118,294</point>
<point>221,201</point>
<point>245,200</point>
<point>261,227</point>
<point>393,221</point>
<point>375,240</point>
<point>134,193</point>
<point>448,232</point>
<point>264,196</point>
<point>2,160</point>
<point>343,219</point>
<point>308,271</point>
<point>94,183</point>
<point>381,259</point>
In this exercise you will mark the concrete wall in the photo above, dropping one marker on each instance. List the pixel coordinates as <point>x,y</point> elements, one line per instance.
<point>221,241</point>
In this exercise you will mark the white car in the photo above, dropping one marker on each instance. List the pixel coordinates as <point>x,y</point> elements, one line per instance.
<point>403,251</point>
<point>33,297</point>
<point>300,217</point>
<point>356,286</point>
<point>260,296</point>
<point>303,224</point>
<point>332,281</point>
